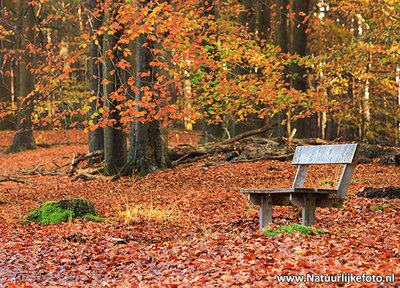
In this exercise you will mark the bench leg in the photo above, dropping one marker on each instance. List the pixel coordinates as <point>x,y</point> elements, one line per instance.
<point>309,211</point>
<point>265,211</point>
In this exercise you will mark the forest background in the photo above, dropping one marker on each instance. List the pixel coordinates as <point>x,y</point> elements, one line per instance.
<point>131,69</point>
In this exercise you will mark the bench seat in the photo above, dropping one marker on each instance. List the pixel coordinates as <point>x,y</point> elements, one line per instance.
<point>290,190</point>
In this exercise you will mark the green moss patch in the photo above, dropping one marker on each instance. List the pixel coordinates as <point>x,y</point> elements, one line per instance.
<point>295,227</point>
<point>64,211</point>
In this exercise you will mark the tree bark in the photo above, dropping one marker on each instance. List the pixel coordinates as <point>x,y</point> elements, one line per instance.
<point>149,152</point>
<point>248,20</point>
<point>7,94</point>
<point>96,137</point>
<point>5,78</point>
<point>305,127</point>
<point>210,131</point>
<point>24,139</point>
<point>282,34</point>
<point>115,147</point>
<point>282,39</point>
<point>301,10</point>
<point>264,19</point>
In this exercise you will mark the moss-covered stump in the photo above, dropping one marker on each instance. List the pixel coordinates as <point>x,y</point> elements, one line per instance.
<point>64,211</point>
<point>295,227</point>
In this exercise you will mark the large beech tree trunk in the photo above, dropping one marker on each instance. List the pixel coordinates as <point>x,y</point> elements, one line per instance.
<point>149,141</point>
<point>24,139</point>
<point>96,137</point>
<point>115,147</point>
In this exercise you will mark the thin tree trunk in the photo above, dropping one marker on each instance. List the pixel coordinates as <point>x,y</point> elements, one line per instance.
<point>248,20</point>
<point>24,139</point>
<point>96,137</point>
<point>305,127</point>
<point>264,19</point>
<point>6,78</point>
<point>210,131</point>
<point>282,38</point>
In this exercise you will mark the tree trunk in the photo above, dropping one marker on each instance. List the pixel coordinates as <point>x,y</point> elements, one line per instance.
<point>305,127</point>
<point>24,139</point>
<point>282,39</point>
<point>211,132</point>
<point>6,78</point>
<point>248,20</point>
<point>149,152</point>
<point>264,19</point>
<point>282,34</point>
<point>115,148</point>
<point>96,137</point>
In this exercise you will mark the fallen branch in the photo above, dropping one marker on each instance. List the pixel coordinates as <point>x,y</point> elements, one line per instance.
<point>86,177</point>
<point>247,134</point>
<point>40,170</point>
<point>386,192</point>
<point>79,159</point>
<point>183,155</point>
<point>5,178</point>
<point>306,141</point>
<point>282,157</point>
<point>187,155</point>
<point>33,171</point>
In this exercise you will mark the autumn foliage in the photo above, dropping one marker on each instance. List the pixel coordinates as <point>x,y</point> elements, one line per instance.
<point>197,55</point>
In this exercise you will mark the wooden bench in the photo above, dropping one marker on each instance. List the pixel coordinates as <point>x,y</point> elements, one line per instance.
<point>308,198</point>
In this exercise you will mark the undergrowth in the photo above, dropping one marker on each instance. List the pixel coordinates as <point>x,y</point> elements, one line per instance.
<point>136,213</point>
<point>289,229</point>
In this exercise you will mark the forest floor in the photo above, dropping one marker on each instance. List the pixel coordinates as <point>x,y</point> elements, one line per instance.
<point>188,226</point>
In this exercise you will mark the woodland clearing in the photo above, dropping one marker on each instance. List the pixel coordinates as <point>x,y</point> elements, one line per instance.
<point>186,227</point>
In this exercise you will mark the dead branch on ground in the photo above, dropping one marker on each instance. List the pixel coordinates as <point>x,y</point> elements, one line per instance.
<point>74,163</point>
<point>5,178</point>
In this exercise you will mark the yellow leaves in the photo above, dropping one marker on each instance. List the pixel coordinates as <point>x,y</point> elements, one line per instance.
<point>300,250</point>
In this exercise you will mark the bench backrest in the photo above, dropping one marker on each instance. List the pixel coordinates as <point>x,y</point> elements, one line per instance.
<point>326,154</point>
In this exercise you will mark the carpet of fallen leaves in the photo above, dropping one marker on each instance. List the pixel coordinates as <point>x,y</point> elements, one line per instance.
<point>209,237</point>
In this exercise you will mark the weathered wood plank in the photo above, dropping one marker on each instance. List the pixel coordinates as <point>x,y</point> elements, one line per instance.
<point>289,190</point>
<point>308,217</point>
<point>300,177</point>
<point>265,212</point>
<point>255,199</point>
<point>297,199</point>
<point>326,154</point>
<point>345,180</point>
